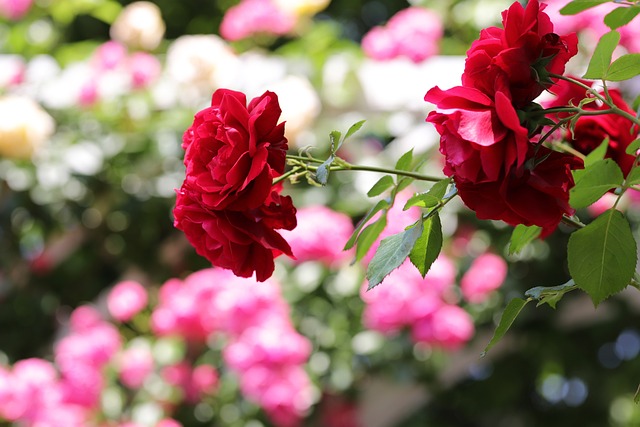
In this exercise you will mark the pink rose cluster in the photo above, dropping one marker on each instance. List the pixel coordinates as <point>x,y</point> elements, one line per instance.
<point>111,63</point>
<point>427,306</point>
<point>38,393</point>
<point>263,349</point>
<point>413,33</point>
<point>253,17</point>
<point>408,300</point>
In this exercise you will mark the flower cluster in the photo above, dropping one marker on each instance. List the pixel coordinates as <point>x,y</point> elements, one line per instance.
<point>413,33</point>
<point>263,348</point>
<point>498,171</point>
<point>227,206</point>
<point>408,300</point>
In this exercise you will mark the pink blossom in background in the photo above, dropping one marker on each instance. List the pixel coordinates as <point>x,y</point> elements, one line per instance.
<point>134,365</point>
<point>486,274</point>
<point>12,70</point>
<point>109,56</point>
<point>284,393</point>
<point>204,381</point>
<point>83,354</point>
<point>264,349</point>
<point>32,397</point>
<point>251,17</point>
<point>270,345</point>
<point>145,69</point>
<point>126,299</point>
<point>14,9</point>
<point>320,235</point>
<point>604,203</point>
<point>449,327</point>
<point>405,299</point>
<point>413,33</point>
<point>193,382</point>
<point>84,318</point>
<point>168,423</point>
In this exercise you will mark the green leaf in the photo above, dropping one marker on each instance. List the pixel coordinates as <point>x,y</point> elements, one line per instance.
<point>428,246</point>
<point>423,200</point>
<point>334,141</point>
<point>550,295</point>
<point>624,68</point>
<point>597,154</point>
<point>577,6</point>
<point>404,162</point>
<point>382,204</point>
<point>522,235</point>
<point>379,187</point>
<point>602,256</point>
<point>431,198</point>
<point>621,16</point>
<point>354,128</point>
<point>596,180</point>
<point>634,176</point>
<point>391,253</point>
<point>368,237</point>
<point>510,313</point>
<point>601,58</point>
<point>633,147</point>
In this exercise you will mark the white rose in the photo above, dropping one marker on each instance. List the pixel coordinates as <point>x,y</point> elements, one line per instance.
<point>139,26</point>
<point>24,127</point>
<point>202,63</point>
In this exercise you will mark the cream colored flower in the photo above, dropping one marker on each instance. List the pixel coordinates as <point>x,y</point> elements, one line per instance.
<point>204,62</point>
<point>24,127</point>
<point>300,105</point>
<point>139,26</point>
<point>302,7</point>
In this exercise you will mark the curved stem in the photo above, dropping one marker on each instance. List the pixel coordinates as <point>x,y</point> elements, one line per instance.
<point>414,175</point>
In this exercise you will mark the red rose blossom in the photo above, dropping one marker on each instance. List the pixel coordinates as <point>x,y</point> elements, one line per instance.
<point>520,56</point>
<point>535,194</point>
<point>241,241</point>
<point>227,206</point>
<point>233,151</point>
<point>480,137</point>
<point>590,131</point>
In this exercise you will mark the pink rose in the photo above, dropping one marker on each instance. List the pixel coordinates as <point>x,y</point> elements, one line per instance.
<point>126,299</point>
<point>486,274</point>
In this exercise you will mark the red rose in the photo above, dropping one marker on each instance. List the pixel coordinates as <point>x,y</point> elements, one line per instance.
<point>228,207</point>
<point>480,138</point>
<point>535,194</point>
<point>590,131</point>
<point>233,152</point>
<point>241,241</point>
<point>520,56</point>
